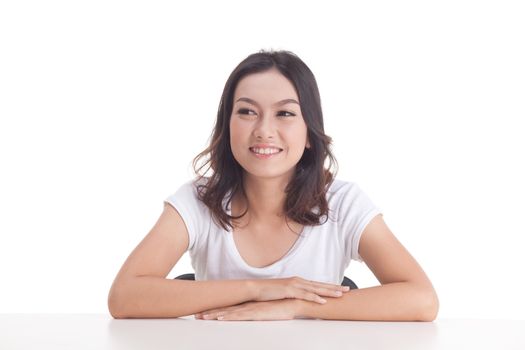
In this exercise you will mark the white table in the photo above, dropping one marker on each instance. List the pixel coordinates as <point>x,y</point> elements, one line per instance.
<point>100,331</point>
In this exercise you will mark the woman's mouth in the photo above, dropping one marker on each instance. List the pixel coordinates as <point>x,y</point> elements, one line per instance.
<point>265,153</point>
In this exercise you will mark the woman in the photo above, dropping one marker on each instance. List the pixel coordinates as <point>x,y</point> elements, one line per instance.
<point>271,231</point>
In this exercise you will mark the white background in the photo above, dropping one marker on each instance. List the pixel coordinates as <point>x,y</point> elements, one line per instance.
<point>104,104</point>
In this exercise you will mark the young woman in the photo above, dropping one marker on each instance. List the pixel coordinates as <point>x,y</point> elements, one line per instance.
<point>271,231</point>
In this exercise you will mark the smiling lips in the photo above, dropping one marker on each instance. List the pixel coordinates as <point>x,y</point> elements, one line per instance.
<point>265,152</point>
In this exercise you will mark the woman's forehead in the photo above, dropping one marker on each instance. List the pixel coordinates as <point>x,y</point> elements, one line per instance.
<point>265,87</point>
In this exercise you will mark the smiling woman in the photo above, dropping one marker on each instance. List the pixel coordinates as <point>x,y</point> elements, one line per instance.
<point>271,231</point>
<point>269,141</point>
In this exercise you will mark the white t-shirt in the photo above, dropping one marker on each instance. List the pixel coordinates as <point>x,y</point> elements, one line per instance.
<point>321,253</point>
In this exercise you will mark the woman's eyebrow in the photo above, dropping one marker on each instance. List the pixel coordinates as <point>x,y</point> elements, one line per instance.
<point>282,102</point>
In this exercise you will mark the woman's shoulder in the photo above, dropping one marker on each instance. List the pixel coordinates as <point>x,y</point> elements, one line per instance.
<point>346,192</point>
<point>350,195</point>
<point>188,190</point>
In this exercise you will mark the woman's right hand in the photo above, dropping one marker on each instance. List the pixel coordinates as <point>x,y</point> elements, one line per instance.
<point>296,288</point>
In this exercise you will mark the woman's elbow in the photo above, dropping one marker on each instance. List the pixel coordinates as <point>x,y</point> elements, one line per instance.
<point>430,307</point>
<point>113,305</point>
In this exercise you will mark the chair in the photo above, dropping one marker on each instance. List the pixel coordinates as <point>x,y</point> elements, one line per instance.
<point>191,277</point>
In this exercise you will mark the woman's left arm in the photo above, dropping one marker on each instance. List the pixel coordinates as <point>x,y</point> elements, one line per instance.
<point>405,293</point>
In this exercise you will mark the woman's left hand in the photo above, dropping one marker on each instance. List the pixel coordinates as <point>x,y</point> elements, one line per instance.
<point>283,309</point>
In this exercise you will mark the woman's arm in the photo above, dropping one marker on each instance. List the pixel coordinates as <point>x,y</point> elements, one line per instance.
<point>141,289</point>
<point>398,301</point>
<point>405,294</point>
<point>157,297</point>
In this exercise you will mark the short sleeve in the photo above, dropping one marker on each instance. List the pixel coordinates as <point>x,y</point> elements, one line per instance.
<point>191,209</point>
<point>356,210</point>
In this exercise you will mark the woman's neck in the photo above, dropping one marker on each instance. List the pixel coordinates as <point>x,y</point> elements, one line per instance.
<point>265,199</point>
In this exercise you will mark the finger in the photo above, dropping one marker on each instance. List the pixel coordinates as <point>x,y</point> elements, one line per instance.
<point>212,311</point>
<point>237,316</point>
<point>250,315</point>
<point>321,291</point>
<point>311,297</point>
<point>212,314</point>
<point>207,315</point>
<point>215,313</point>
<point>325,286</point>
<point>231,307</point>
<point>330,286</point>
<point>334,287</point>
<point>228,317</point>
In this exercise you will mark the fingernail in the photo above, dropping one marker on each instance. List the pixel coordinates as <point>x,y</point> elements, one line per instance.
<point>220,318</point>
<point>322,300</point>
<point>346,288</point>
<point>339,293</point>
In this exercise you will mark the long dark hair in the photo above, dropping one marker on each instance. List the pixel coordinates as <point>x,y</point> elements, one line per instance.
<point>306,192</point>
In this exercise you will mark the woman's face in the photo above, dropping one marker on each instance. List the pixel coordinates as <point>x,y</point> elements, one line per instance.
<point>266,113</point>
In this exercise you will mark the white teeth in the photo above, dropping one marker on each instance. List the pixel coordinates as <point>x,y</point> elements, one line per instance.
<point>265,150</point>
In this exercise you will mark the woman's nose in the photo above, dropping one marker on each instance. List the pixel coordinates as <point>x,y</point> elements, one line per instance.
<point>264,127</point>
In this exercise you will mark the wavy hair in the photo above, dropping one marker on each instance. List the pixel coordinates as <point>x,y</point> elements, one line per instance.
<point>305,200</point>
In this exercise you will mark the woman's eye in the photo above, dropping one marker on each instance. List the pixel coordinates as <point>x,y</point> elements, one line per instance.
<point>245,111</point>
<point>290,114</point>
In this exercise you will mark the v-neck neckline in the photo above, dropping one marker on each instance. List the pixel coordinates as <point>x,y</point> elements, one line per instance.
<point>289,254</point>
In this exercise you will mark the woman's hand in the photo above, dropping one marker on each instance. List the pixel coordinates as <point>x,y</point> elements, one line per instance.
<point>253,311</point>
<point>296,288</point>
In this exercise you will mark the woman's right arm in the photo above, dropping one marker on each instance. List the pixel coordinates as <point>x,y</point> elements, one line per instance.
<point>141,289</point>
